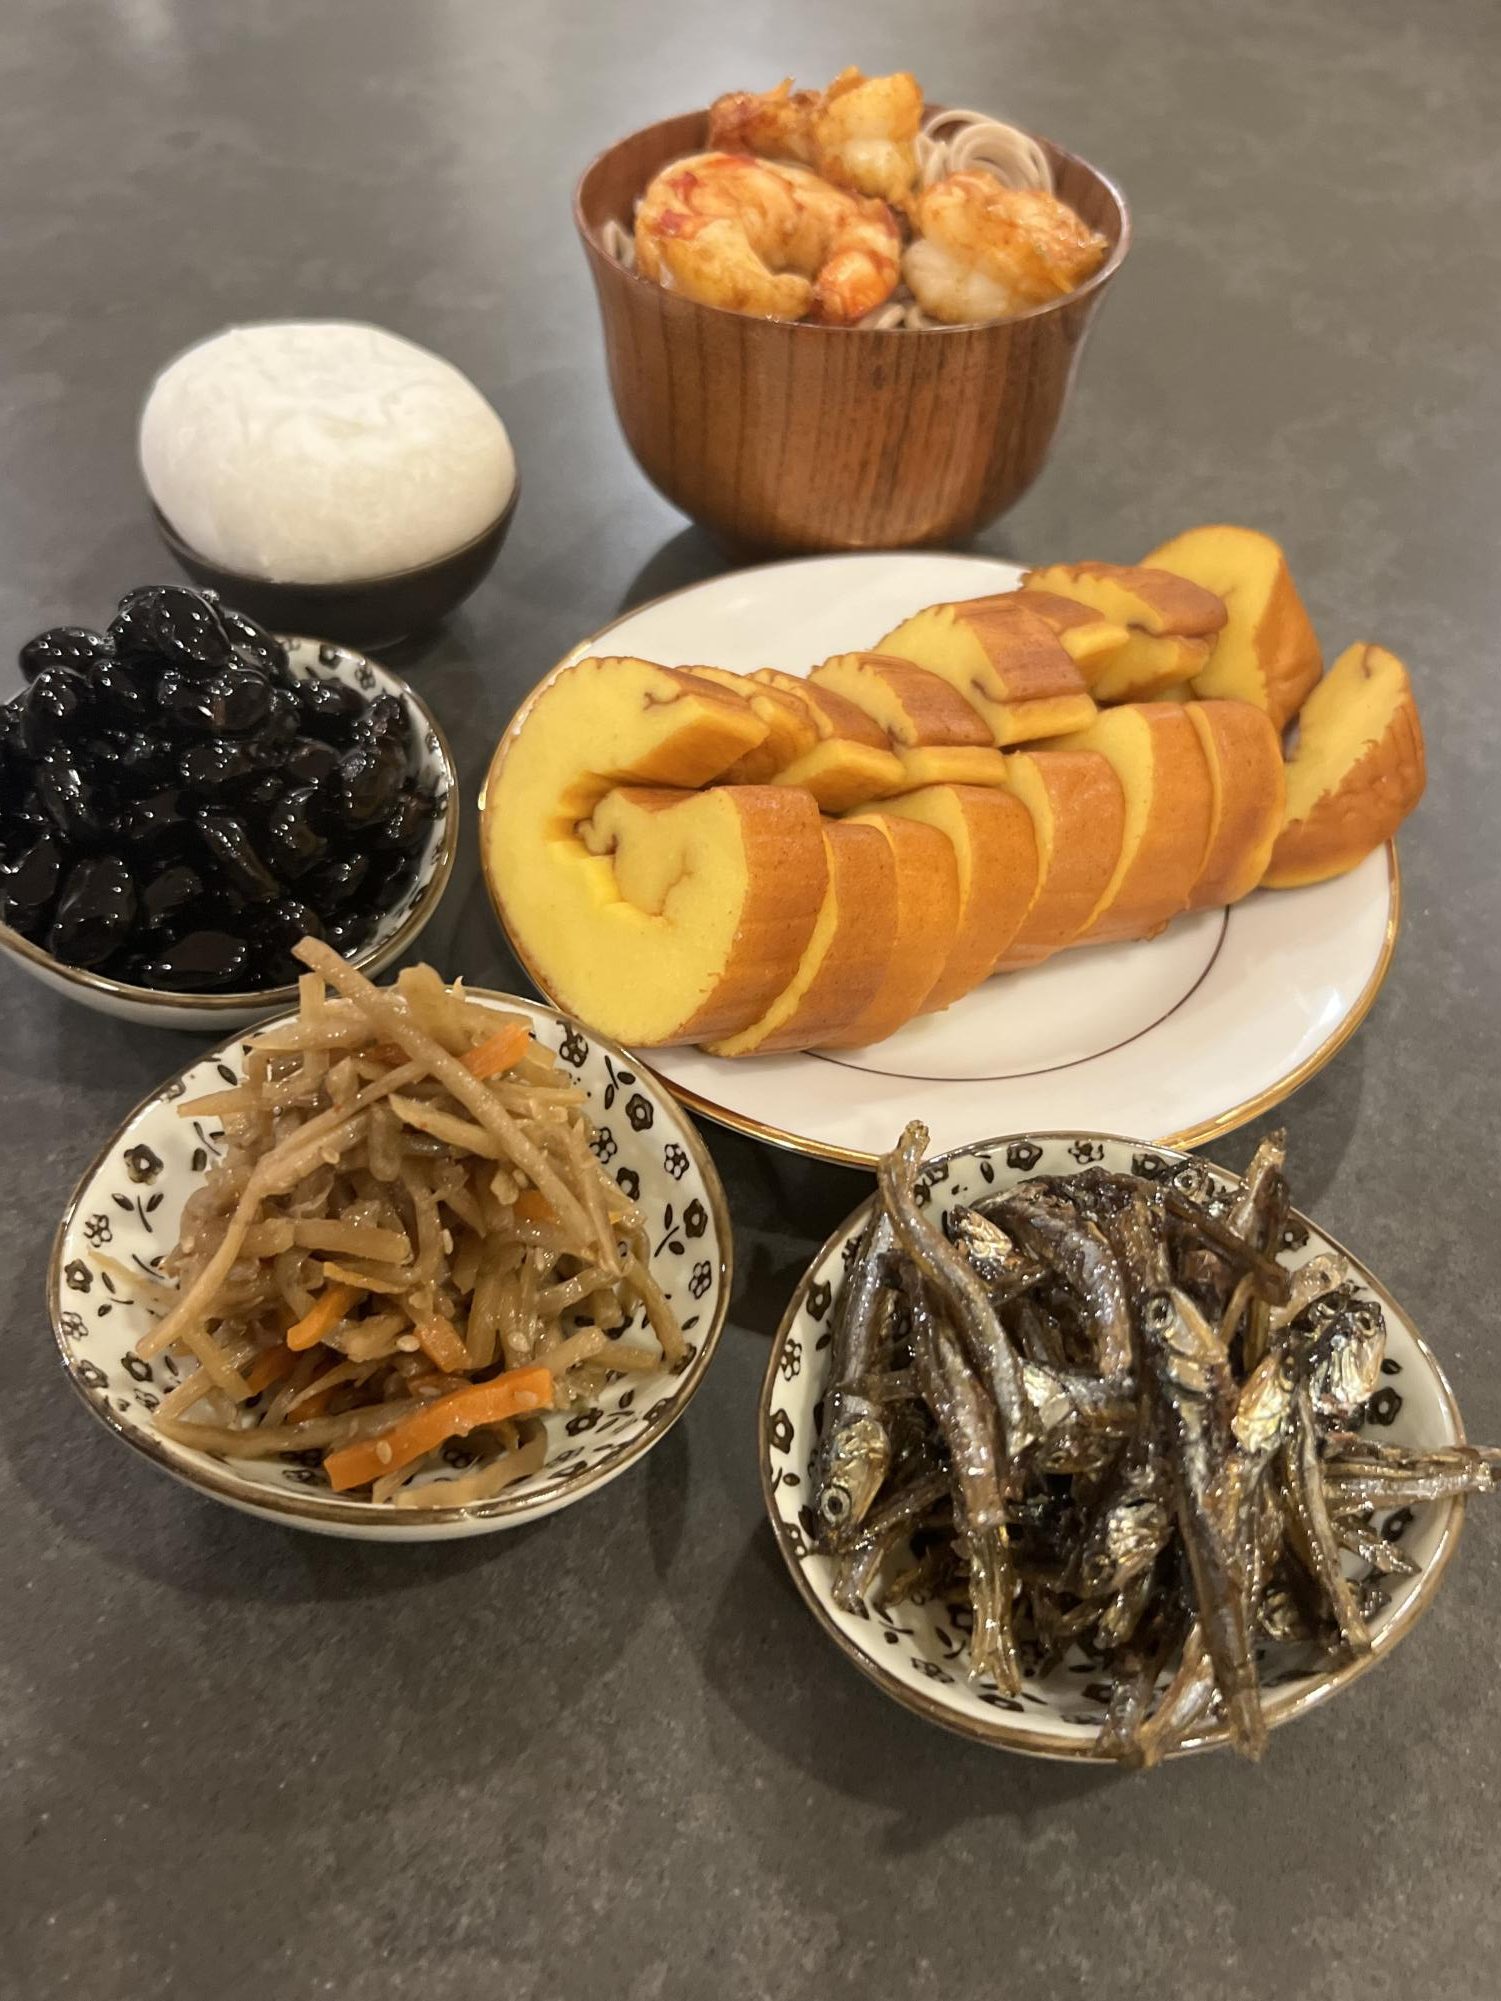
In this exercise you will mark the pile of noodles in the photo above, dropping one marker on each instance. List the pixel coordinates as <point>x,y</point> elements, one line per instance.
<point>950,142</point>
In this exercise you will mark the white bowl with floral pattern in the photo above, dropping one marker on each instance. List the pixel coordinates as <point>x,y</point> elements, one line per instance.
<point>916,1652</point>
<point>398,925</point>
<point>128,1207</point>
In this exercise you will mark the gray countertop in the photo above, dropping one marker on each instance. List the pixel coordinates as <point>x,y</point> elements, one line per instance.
<point>614,1754</point>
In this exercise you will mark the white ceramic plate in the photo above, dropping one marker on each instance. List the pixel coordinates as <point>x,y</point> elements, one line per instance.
<point>1182,1037</point>
<point>915,1652</point>
<point>129,1206</point>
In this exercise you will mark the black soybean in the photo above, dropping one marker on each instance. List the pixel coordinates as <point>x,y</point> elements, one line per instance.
<point>94,913</point>
<point>228,841</point>
<point>63,646</point>
<point>178,806</point>
<point>171,623</point>
<point>200,962</point>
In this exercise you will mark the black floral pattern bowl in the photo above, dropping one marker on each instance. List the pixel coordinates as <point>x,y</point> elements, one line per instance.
<point>413,903</point>
<point>127,1208</point>
<point>916,1652</point>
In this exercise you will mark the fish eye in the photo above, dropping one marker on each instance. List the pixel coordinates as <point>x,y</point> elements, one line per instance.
<point>835,1504</point>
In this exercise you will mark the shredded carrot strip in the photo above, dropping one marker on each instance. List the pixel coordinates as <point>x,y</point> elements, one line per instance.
<point>501,1051</point>
<point>272,1366</point>
<point>328,1310</point>
<point>514,1394</point>
<point>532,1206</point>
<point>443,1347</point>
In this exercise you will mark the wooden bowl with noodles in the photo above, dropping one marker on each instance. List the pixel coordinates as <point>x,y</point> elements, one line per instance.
<point>788,435</point>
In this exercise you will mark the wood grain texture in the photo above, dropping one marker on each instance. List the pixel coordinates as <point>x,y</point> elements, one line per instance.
<point>783,435</point>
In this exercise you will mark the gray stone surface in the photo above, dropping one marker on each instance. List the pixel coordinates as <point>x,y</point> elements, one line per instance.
<point>614,1755</point>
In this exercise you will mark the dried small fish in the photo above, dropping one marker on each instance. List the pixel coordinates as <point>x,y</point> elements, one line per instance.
<point>1005,1268</point>
<point>882,1534</point>
<point>1194,1392</point>
<point>1076,1249</point>
<point>854,1448</point>
<point>986,1340</point>
<point>1362,1541</point>
<point>1310,1282</point>
<point>1313,1532</point>
<point>1346,1360</point>
<point>1101,1410</point>
<point>967,1424</point>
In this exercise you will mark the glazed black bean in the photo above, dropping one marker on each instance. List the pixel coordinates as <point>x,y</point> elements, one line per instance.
<point>310,760</point>
<point>330,710</point>
<point>370,777</point>
<point>80,808</point>
<point>201,962</point>
<point>55,705</point>
<point>251,642</point>
<point>178,805</point>
<point>170,623</point>
<point>31,884</point>
<point>221,768</point>
<point>167,896</point>
<point>94,913</point>
<point>63,646</point>
<point>294,843</point>
<point>228,842</point>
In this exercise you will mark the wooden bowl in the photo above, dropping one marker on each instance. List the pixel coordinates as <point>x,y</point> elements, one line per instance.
<point>784,435</point>
<point>365,612</point>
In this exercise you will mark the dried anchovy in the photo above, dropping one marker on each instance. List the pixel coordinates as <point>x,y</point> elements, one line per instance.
<point>1115,1422</point>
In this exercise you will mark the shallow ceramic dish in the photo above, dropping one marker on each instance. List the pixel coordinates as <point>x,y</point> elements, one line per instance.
<point>129,1204</point>
<point>786,435</point>
<point>368,611</point>
<point>1182,1036</point>
<point>914,1652</point>
<point>398,928</point>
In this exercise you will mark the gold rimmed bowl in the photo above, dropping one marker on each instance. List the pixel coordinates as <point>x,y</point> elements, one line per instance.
<point>401,919</point>
<point>127,1210</point>
<point>915,1652</point>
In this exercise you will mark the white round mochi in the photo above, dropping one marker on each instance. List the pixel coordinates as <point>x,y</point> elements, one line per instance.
<point>322,451</point>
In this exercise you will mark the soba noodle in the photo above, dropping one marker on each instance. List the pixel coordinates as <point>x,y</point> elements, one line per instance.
<point>950,142</point>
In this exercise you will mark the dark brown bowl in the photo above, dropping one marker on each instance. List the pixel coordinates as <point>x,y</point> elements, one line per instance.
<point>372,612</point>
<point>784,435</point>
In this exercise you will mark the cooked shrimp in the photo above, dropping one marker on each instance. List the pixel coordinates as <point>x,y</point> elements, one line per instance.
<point>984,251</point>
<point>860,133</point>
<point>865,133</point>
<point>771,240</point>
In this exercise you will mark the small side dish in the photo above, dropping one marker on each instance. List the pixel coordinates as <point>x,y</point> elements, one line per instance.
<point>1086,1409</point>
<point>322,452</point>
<point>408,1239</point>
<point>180,804</point>
<point>851,206</point>
<point>762,863</point>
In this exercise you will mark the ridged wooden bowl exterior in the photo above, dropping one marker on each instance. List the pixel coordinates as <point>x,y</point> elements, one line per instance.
<point>788,436</point>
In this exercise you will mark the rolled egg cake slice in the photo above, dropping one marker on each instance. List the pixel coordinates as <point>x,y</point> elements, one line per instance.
<point>851,762</point>
<point>845,960</point>
<point>996,852</point>
<point>938,737</point>
<point>655,912</point>
<point>1007,663</point>
<point>1267,652</point>
<point>1244,755</point>
<point>1079,819</point>
<point>1155,752</point>
<point>1170,623</point>
<point>1358,770</point>
<point>926,873</point>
